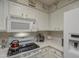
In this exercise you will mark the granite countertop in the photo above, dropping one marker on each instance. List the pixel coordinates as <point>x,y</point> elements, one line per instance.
<point>3,52</point>
<point>50,43</point>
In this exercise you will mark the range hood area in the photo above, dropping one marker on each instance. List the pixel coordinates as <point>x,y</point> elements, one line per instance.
<point>18,24</point>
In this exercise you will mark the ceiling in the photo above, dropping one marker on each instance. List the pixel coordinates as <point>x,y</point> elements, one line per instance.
<point>49,2</point>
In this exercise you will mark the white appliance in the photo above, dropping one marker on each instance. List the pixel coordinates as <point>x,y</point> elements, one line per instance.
<point>16,24</point>
<point>71,33</point>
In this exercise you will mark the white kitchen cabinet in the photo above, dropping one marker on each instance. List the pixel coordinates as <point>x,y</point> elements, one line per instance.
<point>57,20</point>
<point>3,14</point>
<point>15,9</point>
<point>43,21</point>
<point>28,12</point>
<point>24,11</point>
<point>41,18</point>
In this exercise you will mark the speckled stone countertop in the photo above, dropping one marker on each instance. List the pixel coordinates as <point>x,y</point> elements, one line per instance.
<point>3,52</point>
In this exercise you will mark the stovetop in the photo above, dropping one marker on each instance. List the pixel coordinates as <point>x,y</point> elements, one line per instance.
<point>23,48</point>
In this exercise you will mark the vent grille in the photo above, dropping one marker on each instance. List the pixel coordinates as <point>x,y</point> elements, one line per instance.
<point>20,26</point>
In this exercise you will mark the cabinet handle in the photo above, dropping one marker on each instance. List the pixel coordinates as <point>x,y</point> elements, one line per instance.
<point>22,14</point>
<point>7,18</point>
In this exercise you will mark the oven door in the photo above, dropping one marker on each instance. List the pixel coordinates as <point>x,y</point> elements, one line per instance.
<point>19,25</point>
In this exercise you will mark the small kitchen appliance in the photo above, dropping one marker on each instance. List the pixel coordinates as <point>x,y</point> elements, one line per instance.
<point>40,37</point>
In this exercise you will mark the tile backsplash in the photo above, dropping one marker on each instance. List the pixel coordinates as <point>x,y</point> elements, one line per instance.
<point>6,37</point>
<point>56,36</point>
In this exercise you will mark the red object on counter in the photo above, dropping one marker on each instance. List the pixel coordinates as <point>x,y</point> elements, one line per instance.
<point>15,44</point>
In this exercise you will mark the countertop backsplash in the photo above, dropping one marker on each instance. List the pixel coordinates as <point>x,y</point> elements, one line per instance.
<point>55,36</point>
<point>9,37</point>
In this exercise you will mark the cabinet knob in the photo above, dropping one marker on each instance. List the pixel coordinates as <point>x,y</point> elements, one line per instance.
<point>22,14</point>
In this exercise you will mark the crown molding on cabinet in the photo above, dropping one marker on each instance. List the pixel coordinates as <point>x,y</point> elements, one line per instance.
<point>42,10</point>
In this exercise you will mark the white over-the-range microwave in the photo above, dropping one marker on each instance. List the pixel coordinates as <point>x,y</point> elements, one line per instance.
<point>17,24</point>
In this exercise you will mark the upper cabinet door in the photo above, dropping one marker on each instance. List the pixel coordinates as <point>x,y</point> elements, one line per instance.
<point>1,10</point>
<point>15,9</point>
<point>25,11</point>
<point>3,14</point>
<point>56,21</point>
